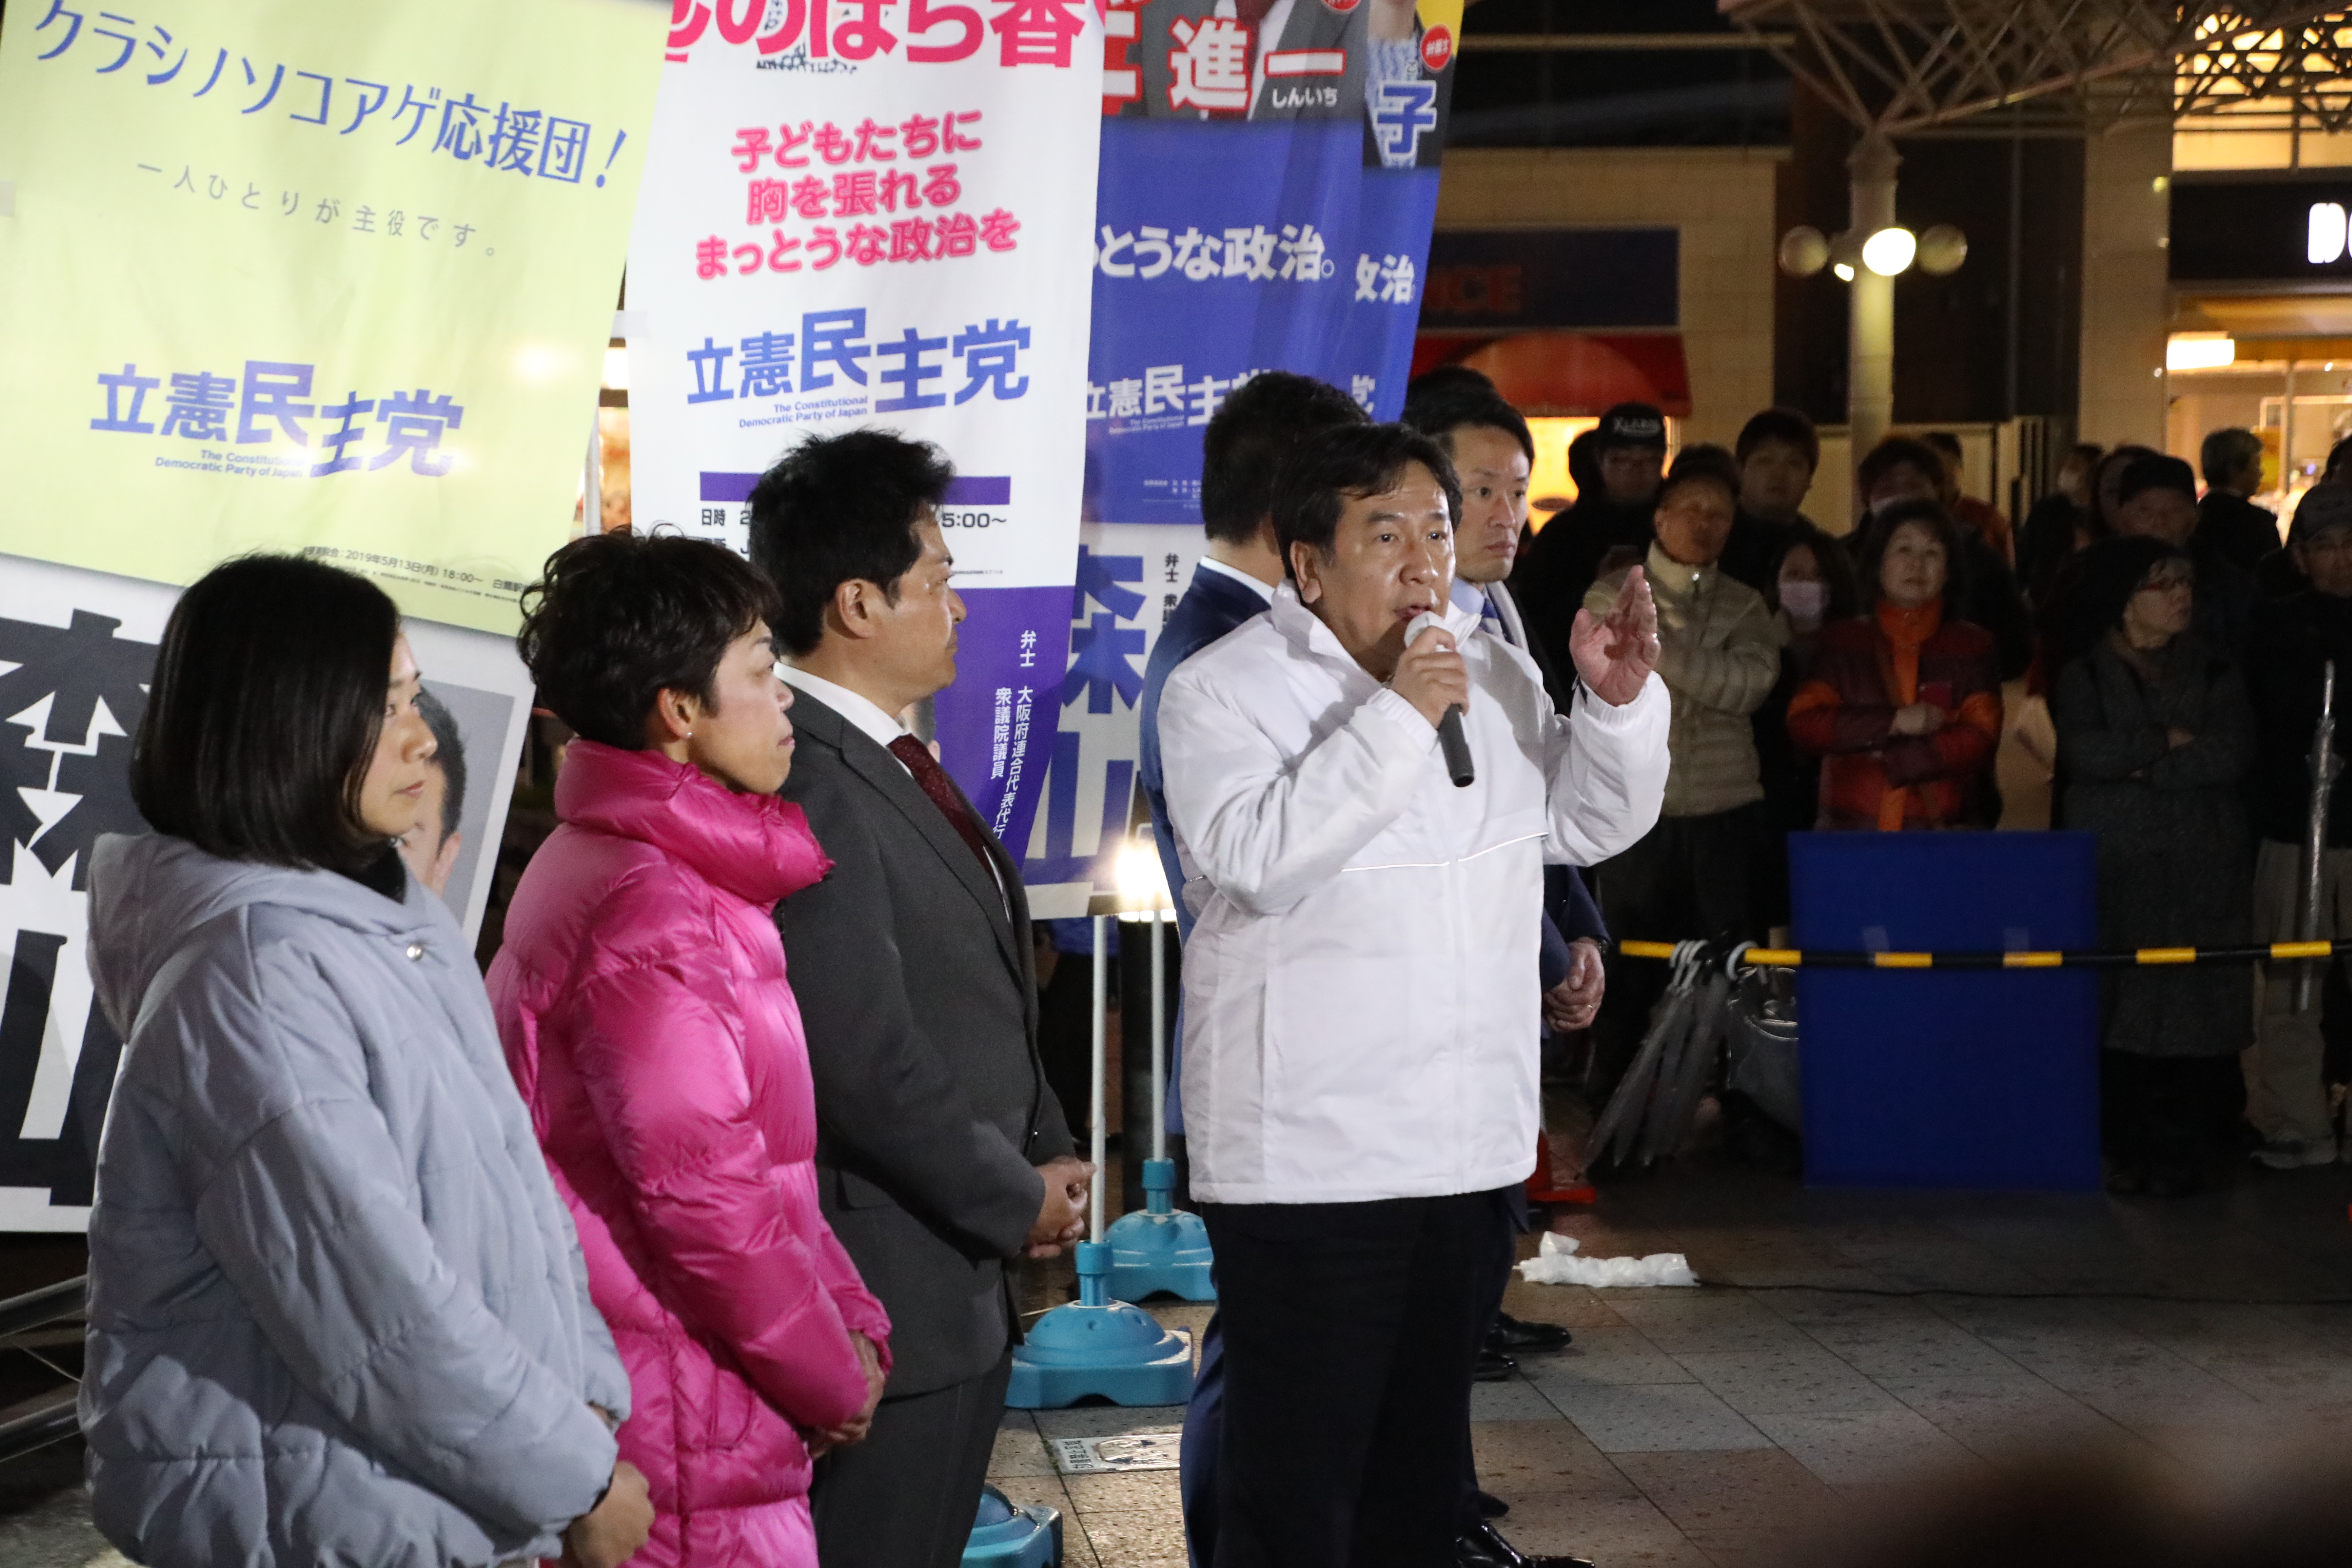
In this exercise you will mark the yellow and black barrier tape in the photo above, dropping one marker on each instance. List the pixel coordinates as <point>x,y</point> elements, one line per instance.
<point>2116,958</point>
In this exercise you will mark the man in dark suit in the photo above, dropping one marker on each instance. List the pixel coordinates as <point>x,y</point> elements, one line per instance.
<point>940,1151</point>
<point>2230,527</point>
<point>1494,452</point>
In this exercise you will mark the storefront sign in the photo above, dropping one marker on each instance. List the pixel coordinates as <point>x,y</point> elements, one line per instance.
<point>1515,280</point>
<point>2282,231</point>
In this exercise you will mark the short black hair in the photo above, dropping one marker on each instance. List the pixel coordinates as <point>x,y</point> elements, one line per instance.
<point>1782,425</point>
<point>263,714</point>
<point>842,509</point>
<point>2157,471</point>
<point>1900,452</point>
<point>1349,460</point>
<point>618,618</point>
<point>1931,516</point>
<point>448,755</point>
<point>1438,405</point>
<point>1945,442</point>
<point>2227,451</point>
<point>1448,378</point>
<point>1702,464</point>
<point>1242,449</point>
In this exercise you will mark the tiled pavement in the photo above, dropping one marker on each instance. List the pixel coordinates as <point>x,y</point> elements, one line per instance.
<point>1849,1347</point>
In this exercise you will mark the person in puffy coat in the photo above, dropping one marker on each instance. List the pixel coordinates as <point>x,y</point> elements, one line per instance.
<point>648,1021</point>
<point>336,1312</point>
<point>1903,705</point>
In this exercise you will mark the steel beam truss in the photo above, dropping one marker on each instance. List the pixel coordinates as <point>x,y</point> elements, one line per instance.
<point>1903,67</point>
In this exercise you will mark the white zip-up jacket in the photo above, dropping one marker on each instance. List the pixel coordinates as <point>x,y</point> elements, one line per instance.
<point>1361,995</point>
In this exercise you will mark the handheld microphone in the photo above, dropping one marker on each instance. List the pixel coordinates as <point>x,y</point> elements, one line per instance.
<point>1450,737</point>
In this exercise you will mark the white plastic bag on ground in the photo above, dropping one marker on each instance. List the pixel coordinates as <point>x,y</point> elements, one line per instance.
<point>1558,1264</point>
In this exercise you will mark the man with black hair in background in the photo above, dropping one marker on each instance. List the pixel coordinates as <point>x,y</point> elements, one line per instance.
<point>2230,526</point>
<point>1241,452</point>
<point>433,846</point>
<point>1777,452</point>
<point>1494,452</point>
<point>941,1152</point>
<point>1630,457</point>
<point>1981,518</point>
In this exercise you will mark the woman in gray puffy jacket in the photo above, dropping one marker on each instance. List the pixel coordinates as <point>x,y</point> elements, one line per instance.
<point>336,1312</point>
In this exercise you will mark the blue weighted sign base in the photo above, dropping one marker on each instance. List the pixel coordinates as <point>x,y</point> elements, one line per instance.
<point>1100,1348</point>
<point>1162,1248</point>
<point>1007,1535</point>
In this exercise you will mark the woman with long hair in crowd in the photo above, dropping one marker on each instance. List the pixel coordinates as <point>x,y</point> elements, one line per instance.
<point>1902,703</point>
<point>337,1311</point>
<point>647,1017</point>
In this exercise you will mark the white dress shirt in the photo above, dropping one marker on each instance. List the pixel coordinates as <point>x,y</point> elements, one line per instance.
<point>867,716</point>
<point>1262,589</point>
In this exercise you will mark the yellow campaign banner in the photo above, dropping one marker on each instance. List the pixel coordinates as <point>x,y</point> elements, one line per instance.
<point>329,277</point>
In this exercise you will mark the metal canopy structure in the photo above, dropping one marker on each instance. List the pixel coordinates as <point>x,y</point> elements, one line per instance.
<point>1901,67</point>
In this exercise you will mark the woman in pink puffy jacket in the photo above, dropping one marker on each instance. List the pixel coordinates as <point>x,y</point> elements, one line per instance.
<point>642,998</point>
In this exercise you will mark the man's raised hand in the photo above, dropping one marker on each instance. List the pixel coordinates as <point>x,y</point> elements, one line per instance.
<point>1615,653</point>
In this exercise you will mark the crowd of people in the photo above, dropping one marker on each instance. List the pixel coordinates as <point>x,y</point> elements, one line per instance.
<point>1862,683</point>
<point>686,1238</point>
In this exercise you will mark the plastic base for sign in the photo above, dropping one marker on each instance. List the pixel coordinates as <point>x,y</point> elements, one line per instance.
<point>1162,1248</point>
<point>1100,1348</point>
<point>1007,1535</point>
<point>1542,1188</point>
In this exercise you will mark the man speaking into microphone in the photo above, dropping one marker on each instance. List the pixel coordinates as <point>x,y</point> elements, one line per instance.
<point>1361,994</point>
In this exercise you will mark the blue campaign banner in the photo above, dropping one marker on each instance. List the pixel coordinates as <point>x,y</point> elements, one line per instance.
<point>1264,202</point>
<point>1311,263</point>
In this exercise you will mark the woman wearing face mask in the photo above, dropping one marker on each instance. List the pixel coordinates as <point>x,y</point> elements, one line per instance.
<point>337,1311</point>
<point>2157,736</point>
<point>648,1015</point>
<point>1902,703</point>
<point>1809,585</point>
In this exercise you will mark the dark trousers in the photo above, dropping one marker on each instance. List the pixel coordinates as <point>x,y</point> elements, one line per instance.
<point>1205,1428</point>
<point>1351,1331</point>
<point>906,1496</point>
<point>1689,877</point>
<point>1510,1219</point>
<point>2171,1117</point>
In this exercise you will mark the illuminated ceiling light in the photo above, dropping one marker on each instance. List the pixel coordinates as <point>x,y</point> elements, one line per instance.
<point>2200,351</point>
<point>1845,256</point>
<point>1890,251</point>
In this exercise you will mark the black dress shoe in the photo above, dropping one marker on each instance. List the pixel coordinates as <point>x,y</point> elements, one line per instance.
<point>1493,1366</point>
<point>1491,1507</point>
<point>1486,1548</point>
<point>1510,1334</point>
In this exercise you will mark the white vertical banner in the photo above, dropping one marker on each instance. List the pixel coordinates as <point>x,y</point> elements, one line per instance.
<point>77,653</point>
<point>875,213</point>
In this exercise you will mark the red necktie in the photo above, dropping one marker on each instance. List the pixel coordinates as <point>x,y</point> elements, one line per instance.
<point>933,781</point>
